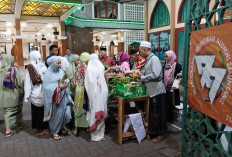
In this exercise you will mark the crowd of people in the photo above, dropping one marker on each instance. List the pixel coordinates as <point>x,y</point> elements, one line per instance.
<point>73,88</point>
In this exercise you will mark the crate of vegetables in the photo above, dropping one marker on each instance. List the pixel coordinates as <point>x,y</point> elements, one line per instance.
<point>130,90</point>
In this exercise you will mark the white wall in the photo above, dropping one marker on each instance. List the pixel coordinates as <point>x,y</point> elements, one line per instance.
<point>178,25</point>
<point>26,50</point>
<point>8,47</point>
<point>181,25</point>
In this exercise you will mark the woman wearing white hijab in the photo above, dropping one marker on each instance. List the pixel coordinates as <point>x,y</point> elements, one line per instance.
<point>34,92</point>
<point>64,63</point>
<point>97,91</point>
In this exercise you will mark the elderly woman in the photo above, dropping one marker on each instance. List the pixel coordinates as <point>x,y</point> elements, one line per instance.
<point>171,69</point>
<point>11,93</point>
<point>56,94</point>
<point>64,63</point>
<point>123,61</point>
<point>80,100</point>
<point>97,91</point>
<point>33,88</point>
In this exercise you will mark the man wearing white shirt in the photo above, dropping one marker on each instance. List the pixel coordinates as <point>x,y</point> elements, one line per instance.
<point>155,89</point>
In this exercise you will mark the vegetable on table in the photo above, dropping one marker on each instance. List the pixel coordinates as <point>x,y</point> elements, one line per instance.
<point>116,80</point>
<point>106,66</point>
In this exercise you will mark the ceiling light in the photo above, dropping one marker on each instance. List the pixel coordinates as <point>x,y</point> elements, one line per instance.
<point>103,32</point>
<point>38,33</point>
<point>7,39</point>
<point>8,24</point>
<point>49,26</point>
<point>8,32</point>
<point>113,36</point>
<point>23,24</point>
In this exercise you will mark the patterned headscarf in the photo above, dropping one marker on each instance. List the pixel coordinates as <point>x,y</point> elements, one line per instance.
<point>36,68</point>
<point>80,72</point>
<point>124,57</point>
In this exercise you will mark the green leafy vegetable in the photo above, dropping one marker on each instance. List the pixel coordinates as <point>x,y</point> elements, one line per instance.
<point>105,65</point>
<point>116,80</point>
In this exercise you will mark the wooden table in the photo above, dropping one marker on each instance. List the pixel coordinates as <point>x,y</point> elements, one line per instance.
<point>122,117</point>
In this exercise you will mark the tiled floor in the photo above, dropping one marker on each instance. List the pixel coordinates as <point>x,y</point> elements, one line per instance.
<point>26,144</point>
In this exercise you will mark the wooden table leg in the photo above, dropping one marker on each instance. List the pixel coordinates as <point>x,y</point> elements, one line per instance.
<point>147,109</point>
<point>147,116</point>
<point>120,116</point>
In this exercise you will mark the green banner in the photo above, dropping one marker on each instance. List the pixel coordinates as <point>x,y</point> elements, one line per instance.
<point>72,2</point>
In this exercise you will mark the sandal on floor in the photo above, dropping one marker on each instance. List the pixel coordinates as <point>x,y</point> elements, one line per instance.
<point>10,134</point>
<point>64,132</point>
<point>42,133</point>
<point>76,134</point>
<point>158,139</point>
<point>56,137</point>
<point>20,125</point>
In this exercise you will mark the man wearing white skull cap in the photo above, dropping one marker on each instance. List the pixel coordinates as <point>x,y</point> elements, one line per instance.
<point>155,89</point>
<point>145,44</point>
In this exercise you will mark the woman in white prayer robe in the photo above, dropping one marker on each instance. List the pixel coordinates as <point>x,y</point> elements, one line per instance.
<point>33,89</point>
<point>97,91</point>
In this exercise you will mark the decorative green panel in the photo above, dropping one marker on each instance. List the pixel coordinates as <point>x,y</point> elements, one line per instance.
<point>201,135</point>
<point>103,23</point>
<point>184,12</point>
<point>180,47</point>
<point>161,15</point>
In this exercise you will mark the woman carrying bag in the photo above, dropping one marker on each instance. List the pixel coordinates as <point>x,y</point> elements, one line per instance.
<point>171,69</point>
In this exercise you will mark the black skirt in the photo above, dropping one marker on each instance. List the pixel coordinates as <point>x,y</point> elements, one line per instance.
<point>170,106</point>
<point>37,114</point>
<point>157,115</point>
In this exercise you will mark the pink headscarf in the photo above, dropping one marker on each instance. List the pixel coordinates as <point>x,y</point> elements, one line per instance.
<point>170,66</point>
<point>124,57</point>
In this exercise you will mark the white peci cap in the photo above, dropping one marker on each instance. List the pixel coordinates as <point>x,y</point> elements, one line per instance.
<point>145,44</point>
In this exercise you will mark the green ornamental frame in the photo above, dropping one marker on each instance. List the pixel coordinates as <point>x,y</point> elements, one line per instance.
<point>200,134</point>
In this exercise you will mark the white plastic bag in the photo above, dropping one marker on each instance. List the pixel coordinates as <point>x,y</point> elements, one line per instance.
<point>176,84</point>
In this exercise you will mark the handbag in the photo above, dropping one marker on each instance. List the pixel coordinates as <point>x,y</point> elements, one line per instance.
<point>57,96</point>
<point>176,84</point>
